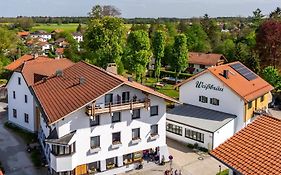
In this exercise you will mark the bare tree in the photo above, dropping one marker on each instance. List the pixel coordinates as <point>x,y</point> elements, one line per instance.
<point>99,11</point>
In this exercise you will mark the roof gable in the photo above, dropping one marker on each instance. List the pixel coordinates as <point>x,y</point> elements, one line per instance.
<point>207,59</point>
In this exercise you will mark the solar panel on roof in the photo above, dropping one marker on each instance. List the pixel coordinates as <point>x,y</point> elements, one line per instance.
<point>244,71</point>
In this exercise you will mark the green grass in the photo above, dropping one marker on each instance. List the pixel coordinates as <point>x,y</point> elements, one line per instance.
<point>224,172</point>
<point>168,89</point>
<point>26,136</point>
<point>50,27</point>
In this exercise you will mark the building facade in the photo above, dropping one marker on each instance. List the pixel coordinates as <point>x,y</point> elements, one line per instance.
<point>109,132</point>
<point>220,89</point>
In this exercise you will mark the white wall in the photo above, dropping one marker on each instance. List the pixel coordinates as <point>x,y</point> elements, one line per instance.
<point>19,103</point>
<point>223,134</point>
<point>197,68</point>
<point>229,102</point>
<point>208,136</point>
<point>80,121</point>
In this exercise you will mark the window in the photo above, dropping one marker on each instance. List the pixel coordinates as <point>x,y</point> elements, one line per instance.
<point>250,104</point>
<point>203,99</point>
<point>125,97</point>
<point>63,150</point>
<point>95,142</point>
<point>214,101</point>
<point>202,66</point>
<point>25,98</point>
<point>19,81</point>
<point>154,129</point>
<point>14,113</point>
<point>194,135</point>
<point>26,118</point>
<point>95,121</point>
<point>111,163</point>
<point>116,117</point>
<point>116,137</point>
<point>262,98</point>
<point>14,95</point>
<point>153,110</point>
<point>136,114</point>
<point>135,133</point>
<point>108,99</point>
<point>64,173</point>
<point>174,129</point>
<point>191,65</point>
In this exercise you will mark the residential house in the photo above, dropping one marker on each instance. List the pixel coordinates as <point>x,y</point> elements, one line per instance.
<point>23,34</point>
<point>78,36</point>
<point>28,70</point>
<point>254,150</point>
<point>200,61</point>
<point>41,34</point>
<point>217,103</point>
<point>94,121</point>
<point>60,52</point>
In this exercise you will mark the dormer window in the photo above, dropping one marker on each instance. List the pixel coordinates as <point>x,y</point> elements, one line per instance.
<point>19,81</point>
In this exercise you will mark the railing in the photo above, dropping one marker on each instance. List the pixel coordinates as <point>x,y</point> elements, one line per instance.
<point>95,109</point>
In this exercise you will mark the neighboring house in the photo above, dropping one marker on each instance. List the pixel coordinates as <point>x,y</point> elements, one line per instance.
<point>60,52</point>
<point>217,103</point>
<point>28,70</point>
<point>41,34</point>
<point>200,61</point>
<point>78,36</point>
<point>94,121</point>
<point>59,42</point>
<point>23,34</point>
<point>45,47</point>
<point>255,150</point>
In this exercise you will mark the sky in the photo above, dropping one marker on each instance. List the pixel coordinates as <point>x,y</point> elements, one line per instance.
<point>138,8</point>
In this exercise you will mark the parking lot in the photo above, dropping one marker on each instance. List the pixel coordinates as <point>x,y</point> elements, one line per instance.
<point>184,159</point>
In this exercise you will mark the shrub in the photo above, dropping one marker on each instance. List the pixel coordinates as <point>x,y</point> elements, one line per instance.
<point>203,149</point>
<point>189,145</point>
<point>195,145</point>
<point>165,73</point>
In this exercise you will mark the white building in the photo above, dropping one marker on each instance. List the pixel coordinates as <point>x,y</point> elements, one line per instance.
<point>218,102</point>
<point>41,34</point>
<point>78,36</point>
<point>27,70</point>
<point>96,121</point>
<point>198,62</point>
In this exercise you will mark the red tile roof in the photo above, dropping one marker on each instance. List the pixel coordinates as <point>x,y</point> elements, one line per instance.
<point>207,59</point>
<point>15,64</point>
<point>23,34</point>
<point>254,150</point>
<point>59,50</point>
<point>247,90</point>
<point>61,95</point>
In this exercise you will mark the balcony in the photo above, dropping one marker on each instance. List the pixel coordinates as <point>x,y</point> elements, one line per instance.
<point>154,136</point>
<point>116,144</point>
<point>136,140</point>
<point>97,109</point>
<point>95,149</point>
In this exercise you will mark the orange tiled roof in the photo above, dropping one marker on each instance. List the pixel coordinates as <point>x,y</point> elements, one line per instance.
<point>247,90</point>
<point>42,66</point>
<point>60,96</point>
<point>207,59</point>
<point>22,34</point>
<point>59,50</point>
<point>255,150</point>
<point>12,66</point>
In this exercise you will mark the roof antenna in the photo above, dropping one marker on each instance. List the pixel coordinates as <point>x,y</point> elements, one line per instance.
<point>59,73</point>
<point>82,80</point>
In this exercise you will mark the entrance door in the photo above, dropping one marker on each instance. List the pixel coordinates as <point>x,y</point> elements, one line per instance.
<point>81,170</point>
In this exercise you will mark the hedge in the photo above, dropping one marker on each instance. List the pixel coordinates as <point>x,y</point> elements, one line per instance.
<point>165,73</point>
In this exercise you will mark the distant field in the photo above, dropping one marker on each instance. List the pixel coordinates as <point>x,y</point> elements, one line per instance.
<point>50,27</point>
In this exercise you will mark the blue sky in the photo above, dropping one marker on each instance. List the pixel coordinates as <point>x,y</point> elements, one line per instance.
<point>138,8</point>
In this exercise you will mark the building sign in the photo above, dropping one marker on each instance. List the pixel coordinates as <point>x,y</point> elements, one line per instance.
<point>201,84</point>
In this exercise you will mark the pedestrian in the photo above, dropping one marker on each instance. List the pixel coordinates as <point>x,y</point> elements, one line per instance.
<point>180,172</point>
<point>176,172</point>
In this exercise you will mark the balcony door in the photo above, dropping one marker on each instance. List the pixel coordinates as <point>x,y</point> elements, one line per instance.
<point>125,97</point>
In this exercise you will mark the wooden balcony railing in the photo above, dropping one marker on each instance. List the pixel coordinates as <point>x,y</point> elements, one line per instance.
<point>92,110</point>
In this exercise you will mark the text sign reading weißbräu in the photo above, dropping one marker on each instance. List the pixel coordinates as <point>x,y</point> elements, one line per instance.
<point>201,84</point>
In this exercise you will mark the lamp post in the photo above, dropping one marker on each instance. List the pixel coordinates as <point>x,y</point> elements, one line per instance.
<point>219,169</point>
<point>171,158</point>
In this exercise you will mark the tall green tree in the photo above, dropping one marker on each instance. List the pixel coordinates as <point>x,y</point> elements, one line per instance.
<point>158,47</point>
<point>276,14</point>
<point>99,11</point>
<point>272,76</point>
<point>197,39</point>
<point>257,17</point>
<point>104,41</point>
<point>179,55</point>
<point>138,53</point>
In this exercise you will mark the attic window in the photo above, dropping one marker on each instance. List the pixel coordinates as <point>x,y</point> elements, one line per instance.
<point>19,81</point>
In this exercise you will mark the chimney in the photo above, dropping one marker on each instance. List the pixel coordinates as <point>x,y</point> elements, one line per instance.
<point>35,55</point>
<point>112,67</point>
<point>225,74</point>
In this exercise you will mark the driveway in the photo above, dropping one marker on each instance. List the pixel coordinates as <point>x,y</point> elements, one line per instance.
<point>15,160</point>
<point>186,160</point>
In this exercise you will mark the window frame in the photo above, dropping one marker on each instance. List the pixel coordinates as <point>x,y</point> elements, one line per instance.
<point>201,66</point>
<point>26,118</point>
<point>25,98</point>
<point>126,97</point>
<point>203,99</point>
<point>14,94</point>
<point>151,129</point>
<point>138,133</point>
<point>191,134</point>
<point>98,140</point>
<point>15,113</point>
<point>157,111</point>
<point>137,117</point>
<point>175,129</point>
<point>114,137</point>
<point>262,98</point>
<point>97,117</point>
<point>105,99</point>
<point>60,150</point>
<point>19,80</point>
<point>119,117</point>
<point>250,104</point>
<point>215,101</point>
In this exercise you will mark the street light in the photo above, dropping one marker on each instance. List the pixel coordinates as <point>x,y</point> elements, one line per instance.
<point>171,158</point>
<point>219,169</point>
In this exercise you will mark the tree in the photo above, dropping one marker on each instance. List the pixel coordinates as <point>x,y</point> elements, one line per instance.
<point>104,41</point>
<point>135,27</point>
<point>276,14</point>
<point>99,11</point>
<point>179,55</point>
<point>272,76</point>
<point>214,34</point>
<point>8,41</point>
<point>197,39</point>
<point>257,17</point>
<point>79,28</point>
<point>268,39</point>
<point>158,47</point>
<point>227,48</point>
<point>24,23</point>
<point>138,53</point>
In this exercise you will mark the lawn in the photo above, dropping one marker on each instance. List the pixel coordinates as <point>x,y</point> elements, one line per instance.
<point>167,89</point>
<point>50,27</point>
